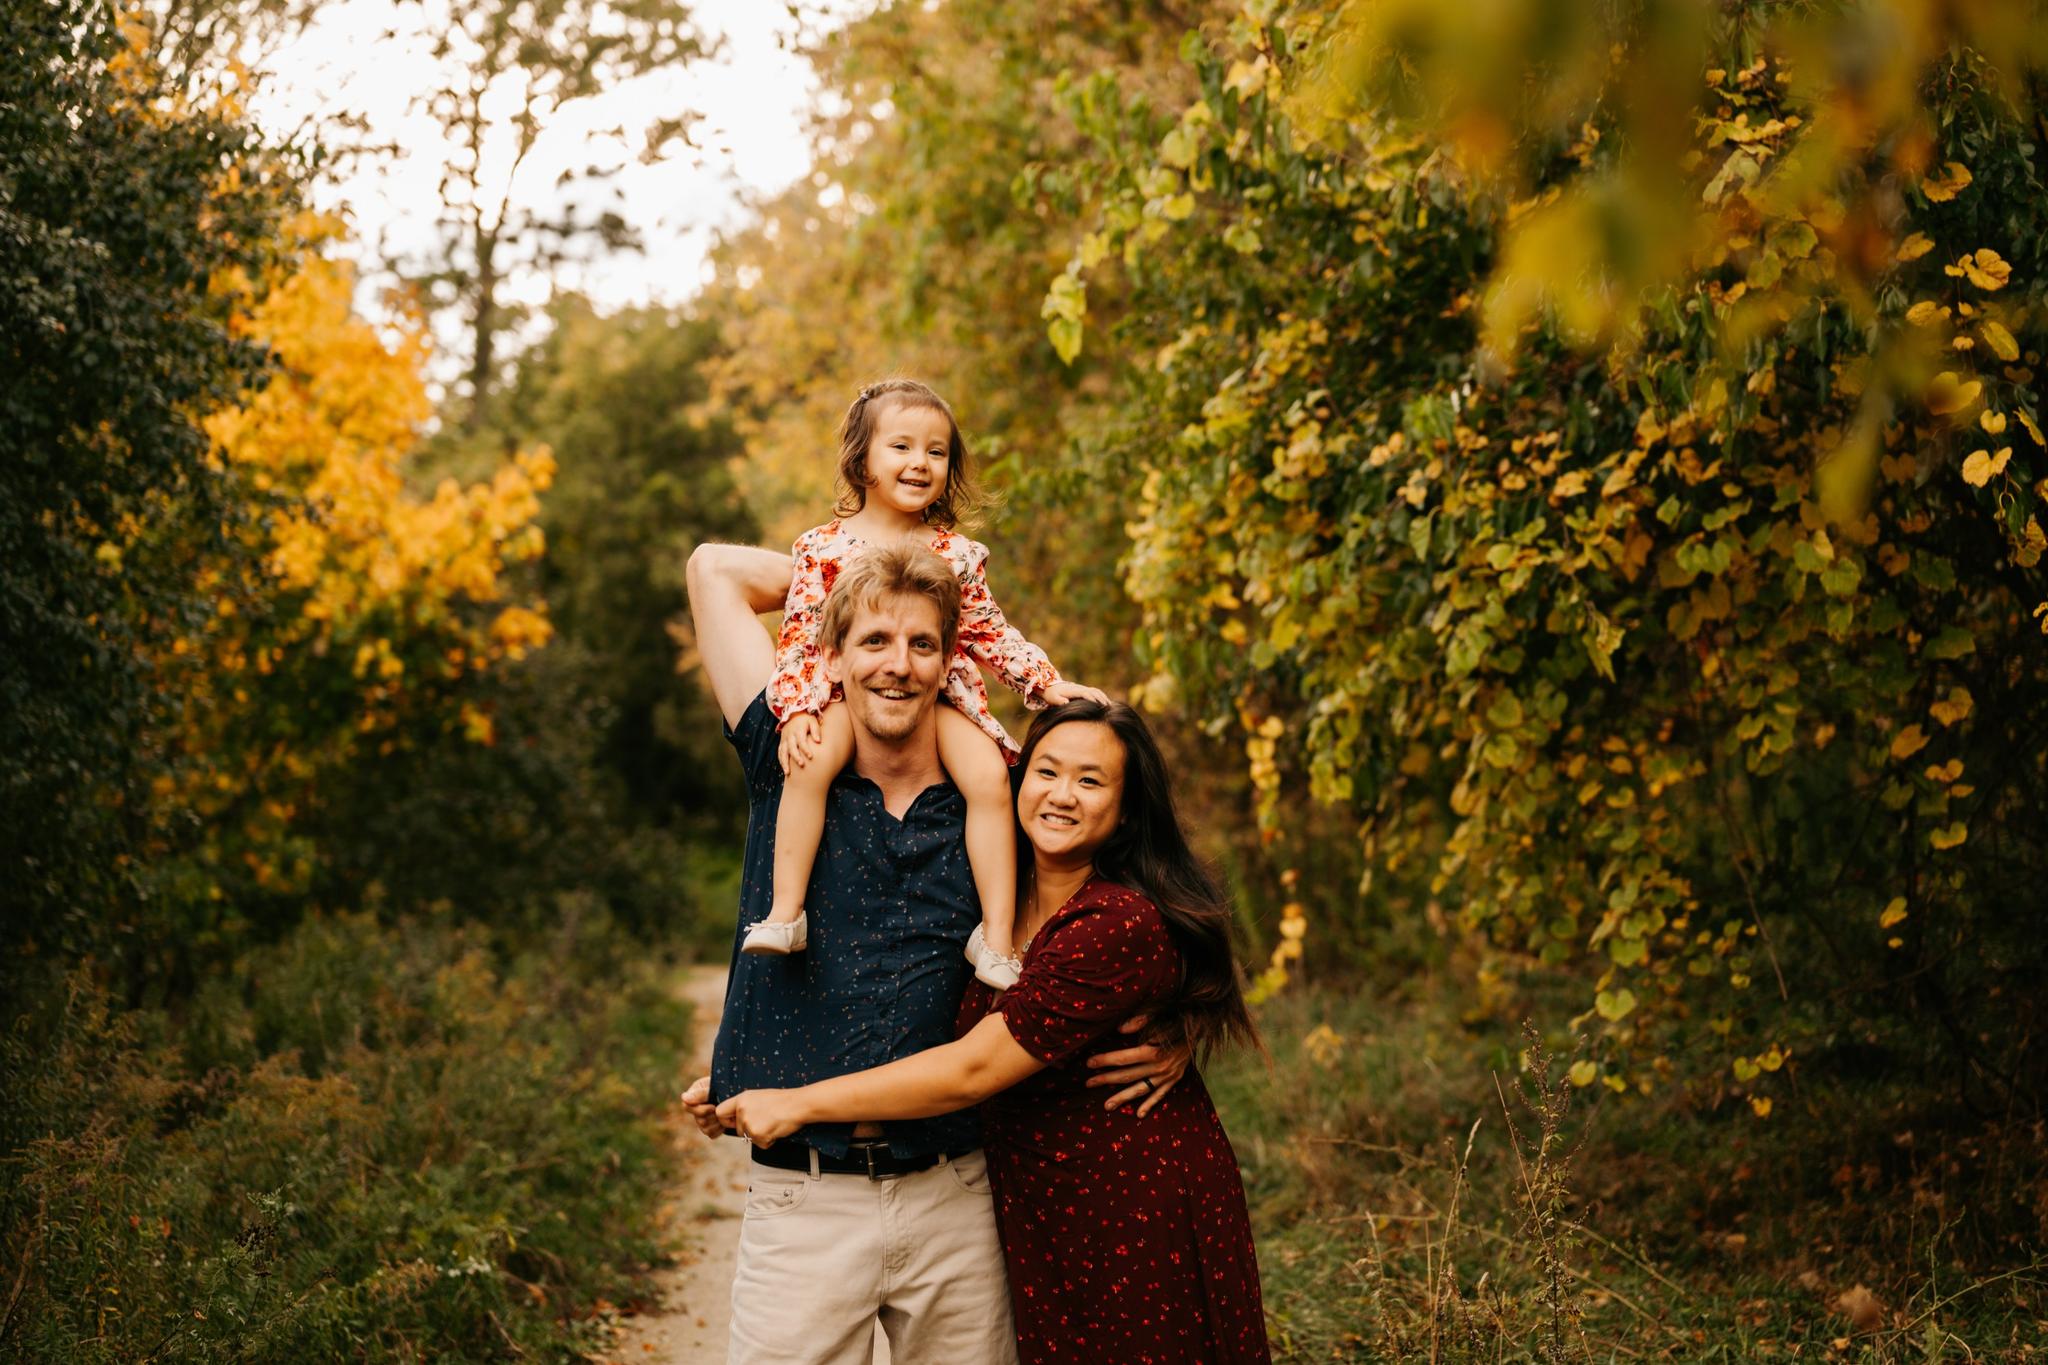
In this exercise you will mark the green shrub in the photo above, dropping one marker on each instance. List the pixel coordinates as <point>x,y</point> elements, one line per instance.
<point>372,1142</point>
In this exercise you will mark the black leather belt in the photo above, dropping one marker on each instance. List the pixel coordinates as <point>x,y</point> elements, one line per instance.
<point>871,1159</point>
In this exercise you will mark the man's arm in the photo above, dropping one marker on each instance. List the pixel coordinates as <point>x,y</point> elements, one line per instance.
<point>730,586</point>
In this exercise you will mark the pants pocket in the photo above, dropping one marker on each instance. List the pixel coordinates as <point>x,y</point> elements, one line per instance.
<point>970,1172</point>
<point>772,1196</point>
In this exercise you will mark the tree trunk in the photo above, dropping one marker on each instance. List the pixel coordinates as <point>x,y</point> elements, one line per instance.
<point>484,330</point>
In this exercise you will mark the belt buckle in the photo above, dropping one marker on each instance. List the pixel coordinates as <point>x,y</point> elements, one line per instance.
<point>867,1150</point>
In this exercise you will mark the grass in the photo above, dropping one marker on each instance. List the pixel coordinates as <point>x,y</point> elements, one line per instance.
<point>1428,1190</point>
<point>368,1142</point>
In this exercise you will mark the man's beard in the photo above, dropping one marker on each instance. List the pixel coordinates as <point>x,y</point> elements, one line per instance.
<point>889,720</point>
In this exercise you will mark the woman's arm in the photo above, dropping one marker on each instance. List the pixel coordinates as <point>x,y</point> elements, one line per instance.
<point>938,1080</point>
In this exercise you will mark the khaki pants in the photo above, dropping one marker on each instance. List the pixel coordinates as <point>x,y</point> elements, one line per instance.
<point>822,1258</point>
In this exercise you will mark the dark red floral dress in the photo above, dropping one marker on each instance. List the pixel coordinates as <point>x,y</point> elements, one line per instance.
<point>1126,1238</point>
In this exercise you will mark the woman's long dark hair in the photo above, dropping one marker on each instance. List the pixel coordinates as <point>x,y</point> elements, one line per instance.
<point>1149,853</point>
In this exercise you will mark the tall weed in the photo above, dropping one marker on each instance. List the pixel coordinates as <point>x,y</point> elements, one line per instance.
<point>365,1142</point>
<point>1427,1188</point>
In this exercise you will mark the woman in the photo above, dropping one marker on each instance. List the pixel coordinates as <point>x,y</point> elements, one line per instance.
<point>1126,1239</point>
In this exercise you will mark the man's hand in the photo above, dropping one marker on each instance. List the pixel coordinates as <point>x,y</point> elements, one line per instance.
<point>799,742</point>
<point>762,1116</point>
<point>697,1102</point>
<point>1064,691</point>
<point>1144,1073</point>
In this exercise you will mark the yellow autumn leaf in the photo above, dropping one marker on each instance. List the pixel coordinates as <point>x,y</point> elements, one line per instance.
<point>1982,466</point>
<point>1908,742</point>
<point>1924,313</point>
<point>1999,339</point>
<point>1914,247</point>
<point>1949,836</point>
<point>2033,544</point>
<point>1992,422</point>
<point>1985,268</point>
<point>1950,393</point>
<point>1760,1105</point>
<point>1952,708</point>
<point>1745,1069</point>
<point>1955,178</point>
<point>2032,430</point>
<point>1893,913</point>
<point>1583,1073</point>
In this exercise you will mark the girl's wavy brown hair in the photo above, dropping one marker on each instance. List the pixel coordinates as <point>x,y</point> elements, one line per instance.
<point>955,501</point>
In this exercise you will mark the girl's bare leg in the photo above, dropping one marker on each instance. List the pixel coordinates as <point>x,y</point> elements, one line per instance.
<point>976,764</point>
<point>800,817</point>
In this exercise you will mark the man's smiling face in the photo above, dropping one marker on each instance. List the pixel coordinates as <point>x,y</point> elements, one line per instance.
<point>892,666</point>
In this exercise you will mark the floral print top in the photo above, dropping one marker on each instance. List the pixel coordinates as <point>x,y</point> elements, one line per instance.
<point>986,637</point>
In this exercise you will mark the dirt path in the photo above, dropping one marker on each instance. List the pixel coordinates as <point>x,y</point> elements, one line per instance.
<point>703,1216</point>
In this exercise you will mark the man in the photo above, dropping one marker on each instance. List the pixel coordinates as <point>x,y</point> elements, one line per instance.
<point>849,1225</point>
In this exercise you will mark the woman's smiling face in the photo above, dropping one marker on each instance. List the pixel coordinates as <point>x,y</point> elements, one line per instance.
<point>1072,795</point>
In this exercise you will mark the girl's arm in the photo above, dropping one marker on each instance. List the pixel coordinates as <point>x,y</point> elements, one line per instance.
<point>938,1080</point>
<point>991,641</point>
<point>799,685</point>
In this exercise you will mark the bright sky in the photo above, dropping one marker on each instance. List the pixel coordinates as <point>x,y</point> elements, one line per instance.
<point>371,57</point>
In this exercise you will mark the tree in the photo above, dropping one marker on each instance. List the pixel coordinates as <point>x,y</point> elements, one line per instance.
<point>133,226</point>
<point>353,617</point>
<point>517,66</point>
<point>193,42</point>
<point>644,476</point>
<point>1603,456</point>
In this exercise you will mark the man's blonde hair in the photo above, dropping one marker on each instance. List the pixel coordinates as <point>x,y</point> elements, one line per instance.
<point>904,569</point>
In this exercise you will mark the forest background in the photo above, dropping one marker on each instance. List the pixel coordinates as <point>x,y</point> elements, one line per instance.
<point>1566,480</point>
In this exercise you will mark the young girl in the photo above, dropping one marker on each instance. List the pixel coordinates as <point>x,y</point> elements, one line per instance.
<point>902,472</point>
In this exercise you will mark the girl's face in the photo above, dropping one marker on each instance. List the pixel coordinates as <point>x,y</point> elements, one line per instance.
<point>1072,795</point>
<point>908,456</point>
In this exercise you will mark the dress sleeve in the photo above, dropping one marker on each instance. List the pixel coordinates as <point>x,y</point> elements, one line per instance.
<point>799,685</point>
<point>1094,971</point>
<point>991,641</point>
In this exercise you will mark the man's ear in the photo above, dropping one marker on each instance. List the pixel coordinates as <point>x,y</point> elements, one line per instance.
<point>834,663</point>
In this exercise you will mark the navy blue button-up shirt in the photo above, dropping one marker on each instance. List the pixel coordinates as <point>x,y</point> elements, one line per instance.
<point>890,905</point>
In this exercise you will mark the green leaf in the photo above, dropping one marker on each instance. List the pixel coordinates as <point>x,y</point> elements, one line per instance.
<point>1506,711</point>
<point>1953,643</point>
<point>1615,1006</point>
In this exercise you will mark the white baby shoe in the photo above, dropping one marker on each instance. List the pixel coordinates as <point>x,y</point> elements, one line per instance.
<point>769,939</point>
<point>990,966</point>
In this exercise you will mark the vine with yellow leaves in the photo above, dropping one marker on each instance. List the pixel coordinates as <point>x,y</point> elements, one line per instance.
<point>1609,462</point>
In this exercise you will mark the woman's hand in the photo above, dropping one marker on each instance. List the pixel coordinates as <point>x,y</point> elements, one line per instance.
<point>762,1116</point>
<point>1144,1073</point>
<point>799,743</point>
<point>1064,691</point>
